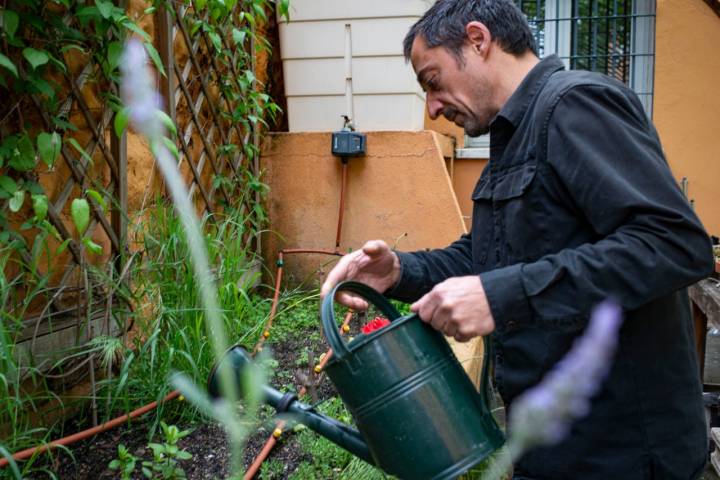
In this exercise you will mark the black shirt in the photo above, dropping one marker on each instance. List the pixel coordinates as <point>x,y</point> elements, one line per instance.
<point>577,204</point>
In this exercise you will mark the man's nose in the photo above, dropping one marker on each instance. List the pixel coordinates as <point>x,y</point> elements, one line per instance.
<point>434,106</point>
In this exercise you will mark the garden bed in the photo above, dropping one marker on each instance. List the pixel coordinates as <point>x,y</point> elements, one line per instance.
<point>299,453</point>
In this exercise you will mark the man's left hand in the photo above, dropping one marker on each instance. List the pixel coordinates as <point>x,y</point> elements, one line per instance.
<point>458,308</point>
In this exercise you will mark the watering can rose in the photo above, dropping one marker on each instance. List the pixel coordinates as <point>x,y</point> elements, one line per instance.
<point>375,324</point>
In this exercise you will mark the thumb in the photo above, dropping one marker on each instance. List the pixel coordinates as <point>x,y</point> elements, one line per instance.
<point>373,248</point>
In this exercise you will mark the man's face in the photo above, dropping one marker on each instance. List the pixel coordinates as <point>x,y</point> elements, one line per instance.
<point>461,93</point>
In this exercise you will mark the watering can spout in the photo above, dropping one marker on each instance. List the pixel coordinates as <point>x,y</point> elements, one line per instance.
<point>237,358</point>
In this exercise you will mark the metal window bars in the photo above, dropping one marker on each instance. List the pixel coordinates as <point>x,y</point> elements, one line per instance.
<point>614,37</point>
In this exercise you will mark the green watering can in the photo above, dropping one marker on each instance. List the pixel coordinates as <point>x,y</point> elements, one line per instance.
<point>417,413</point>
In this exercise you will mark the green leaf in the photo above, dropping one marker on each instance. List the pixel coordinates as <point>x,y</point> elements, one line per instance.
<point>40,206</point>
<point>17,200</point>
<point>155,58</point>
<point>61,248</point>
<point>22,157</point>
<point>42,86</point>
<point>105,8</point>
<point>8,64</point>
<point>284,8</point>
<point>10,22</point>
<point>200,5</point>
<point>71,46</point>
<point>134,28</point>
<point>8,184</point>
<point>34,57</point>
<point>114,465</point>
<point>81,150</point>
<point>172,147</point>
<point>49,147</point>
<point>167,121</point>
<point>114,52</point>
<point>64,124</point>
<point>215,39</point>
<point>239,36</point>
<point>121,120</point>
<point>80,212</point>
<point>92,246</point>
<point>98,198</point>
<point>183,455</point>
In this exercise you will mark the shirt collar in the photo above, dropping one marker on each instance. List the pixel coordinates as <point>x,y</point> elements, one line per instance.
<point>516,106</point>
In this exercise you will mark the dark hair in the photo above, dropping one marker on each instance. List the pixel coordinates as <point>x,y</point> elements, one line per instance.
<point>444,25</point>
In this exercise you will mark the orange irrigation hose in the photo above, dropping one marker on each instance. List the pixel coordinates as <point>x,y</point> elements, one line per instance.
<point>272,440</point>
<point>273,309</point>
<point>276,295</point>
<point>22,455</point>
<point>342,202</point>
<point>305,250</point>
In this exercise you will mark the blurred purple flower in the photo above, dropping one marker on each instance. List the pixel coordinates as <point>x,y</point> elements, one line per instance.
<point>137,91</point>
<point>544,414</point>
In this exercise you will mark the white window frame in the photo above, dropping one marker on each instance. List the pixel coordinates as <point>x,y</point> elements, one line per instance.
<point>558,39</point>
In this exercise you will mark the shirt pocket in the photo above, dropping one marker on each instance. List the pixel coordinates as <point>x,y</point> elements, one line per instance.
<point>518,219</point>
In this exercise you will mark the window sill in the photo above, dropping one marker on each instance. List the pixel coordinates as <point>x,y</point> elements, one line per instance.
<point>480,153</point>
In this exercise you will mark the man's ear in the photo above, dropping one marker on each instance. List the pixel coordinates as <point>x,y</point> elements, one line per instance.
<point>479,37</point>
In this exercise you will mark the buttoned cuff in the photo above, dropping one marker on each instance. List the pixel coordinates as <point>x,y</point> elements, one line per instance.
<point>506,295</point>
<point>411,286</point>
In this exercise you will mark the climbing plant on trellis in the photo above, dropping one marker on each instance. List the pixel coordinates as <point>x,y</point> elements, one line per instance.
<point>64,261</point>
<point>213,96</point>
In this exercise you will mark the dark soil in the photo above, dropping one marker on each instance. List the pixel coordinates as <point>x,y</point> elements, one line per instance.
<point>208,442</point>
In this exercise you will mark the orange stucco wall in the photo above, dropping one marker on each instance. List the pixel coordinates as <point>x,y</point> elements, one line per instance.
<point>399,192</point>
<point>687,102</point>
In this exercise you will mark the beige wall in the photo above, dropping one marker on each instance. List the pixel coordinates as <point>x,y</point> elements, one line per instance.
<point>400,192</point>
<point>687,100</point>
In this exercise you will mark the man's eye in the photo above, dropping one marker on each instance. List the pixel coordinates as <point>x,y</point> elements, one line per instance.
<point>432,84</point>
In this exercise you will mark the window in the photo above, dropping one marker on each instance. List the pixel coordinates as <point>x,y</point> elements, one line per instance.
<point>614,37</point>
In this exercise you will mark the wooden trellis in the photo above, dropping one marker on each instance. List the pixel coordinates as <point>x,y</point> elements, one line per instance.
<point>68,319</point>
<point>200,113</point>
<point>79,306</point>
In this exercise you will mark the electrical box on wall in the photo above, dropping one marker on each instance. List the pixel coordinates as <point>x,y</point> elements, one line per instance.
<point>347,143</point>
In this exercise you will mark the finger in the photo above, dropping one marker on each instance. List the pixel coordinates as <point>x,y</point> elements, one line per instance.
<point>337,274</point>
<point>428,311</point>
<point>450,330</point>
<point>459,337</point>
<point>351,301</point>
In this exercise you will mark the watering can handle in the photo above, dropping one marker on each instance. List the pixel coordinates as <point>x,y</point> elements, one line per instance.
<point>327,312</point>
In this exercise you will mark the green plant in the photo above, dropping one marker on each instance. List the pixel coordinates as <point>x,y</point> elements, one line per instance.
<point>166,455</point>
<point>272,469</point>
<point>124,463</point>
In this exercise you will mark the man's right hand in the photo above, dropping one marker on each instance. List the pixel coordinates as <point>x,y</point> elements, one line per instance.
<point>375,265</point>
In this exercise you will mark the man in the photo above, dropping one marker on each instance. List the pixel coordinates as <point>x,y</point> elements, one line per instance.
<point>576,205</point>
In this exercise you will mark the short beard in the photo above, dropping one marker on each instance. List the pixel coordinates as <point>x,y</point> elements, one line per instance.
<point>474,129</point>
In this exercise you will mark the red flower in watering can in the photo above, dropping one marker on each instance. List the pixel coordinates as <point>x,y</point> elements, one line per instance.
<point>375,324</point>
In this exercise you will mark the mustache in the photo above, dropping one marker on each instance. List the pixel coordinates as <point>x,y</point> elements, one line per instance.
<point>450,113</point>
